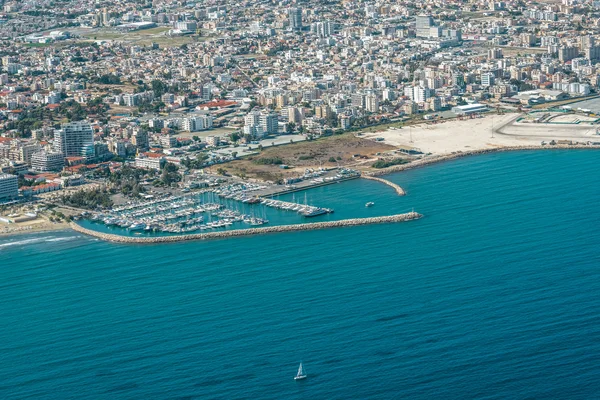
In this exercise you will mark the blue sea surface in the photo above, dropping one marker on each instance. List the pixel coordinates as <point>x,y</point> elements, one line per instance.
<point>494,294</point>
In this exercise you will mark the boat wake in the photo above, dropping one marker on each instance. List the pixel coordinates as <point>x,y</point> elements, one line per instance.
<point>35,240</point>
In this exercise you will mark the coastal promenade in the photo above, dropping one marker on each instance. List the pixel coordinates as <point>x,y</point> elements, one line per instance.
<point>459,154</point>
<point>247,232</point>
<point>396,187</point>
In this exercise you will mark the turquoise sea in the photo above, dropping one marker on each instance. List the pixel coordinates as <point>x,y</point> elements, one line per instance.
<point>494,294</point>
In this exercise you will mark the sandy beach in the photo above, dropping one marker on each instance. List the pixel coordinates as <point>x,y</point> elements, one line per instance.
<point>488,132</point>
<point>38,225</point>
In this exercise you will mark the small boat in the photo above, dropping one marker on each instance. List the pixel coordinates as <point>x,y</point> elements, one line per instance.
<point>301,373</point>
<point>137,227</point>
<point>369,204</point>
<point>314,212</point>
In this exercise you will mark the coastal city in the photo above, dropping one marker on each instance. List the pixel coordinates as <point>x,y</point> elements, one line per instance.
<point>151,115</point>
<point>299,199</point>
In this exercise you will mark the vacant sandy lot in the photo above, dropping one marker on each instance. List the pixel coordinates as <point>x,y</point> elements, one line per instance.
<point>487,132</point>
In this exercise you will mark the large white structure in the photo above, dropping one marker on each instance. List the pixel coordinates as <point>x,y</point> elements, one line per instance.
<point>423,25</point>
<point>322,29</point>
<point>372,103</point>
<point>75,139</point>
<point>270,123</point>
<point>487,79</point>
<point>252,118</point>
<point>254,130</point>
<point>418,94</point>
<point>23,151</point>
<point>52,98</point>
<point>149,162</point>
<point>470,109</point>
<point>259,124</point>
<point>44,161</point>
<point>197,123</point>
<point>9,187</point>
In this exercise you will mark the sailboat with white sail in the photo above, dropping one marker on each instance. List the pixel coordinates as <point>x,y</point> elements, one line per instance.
<point>301,373</point>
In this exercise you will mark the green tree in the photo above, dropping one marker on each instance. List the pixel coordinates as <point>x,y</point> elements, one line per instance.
<point>158,87</point>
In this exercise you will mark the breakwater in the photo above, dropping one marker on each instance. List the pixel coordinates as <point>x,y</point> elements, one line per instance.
<point>396,187</point>
<point>459,154</point>
<point>251,231</point>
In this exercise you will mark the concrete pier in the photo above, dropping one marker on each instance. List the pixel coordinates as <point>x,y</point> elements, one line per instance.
<point>247,232</point>
<point>396,187</point>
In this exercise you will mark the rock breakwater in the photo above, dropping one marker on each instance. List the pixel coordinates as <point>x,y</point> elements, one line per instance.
<point>396,187</point>
<point>247,232</point>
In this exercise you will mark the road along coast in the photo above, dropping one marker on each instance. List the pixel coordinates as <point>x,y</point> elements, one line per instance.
<point>459,154</point>
<point>396,187</point>
<point>247,232</point>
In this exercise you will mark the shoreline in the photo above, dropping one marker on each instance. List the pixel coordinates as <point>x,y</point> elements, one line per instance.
<point>372,175</point>
<point>4,232</point>
<point>248,232</point>
<point>460,154</point>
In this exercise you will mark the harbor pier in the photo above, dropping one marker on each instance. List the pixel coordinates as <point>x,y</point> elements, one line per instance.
<point>247,232</point>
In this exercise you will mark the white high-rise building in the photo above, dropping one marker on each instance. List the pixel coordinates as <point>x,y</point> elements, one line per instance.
<point>418,94</point>
<point>252,118</point>
<point>323,29</point>
<point>371,103</point>
<point>269,123</point>
<point>207,91</point>
<point>44,161</point>
<point>421,94</point>
<point>52,98</point>
<point>254,131</point>
<point>197,123</point>
<point>487,79</point>
<point>9,187</point>
<point>295,17</point>
<point>75,139</point>
<point>423,25</point>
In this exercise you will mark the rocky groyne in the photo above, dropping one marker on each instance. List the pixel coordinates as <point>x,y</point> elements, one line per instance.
<point>247,232</point>
<point>396,187</point>
<point>459,154</point>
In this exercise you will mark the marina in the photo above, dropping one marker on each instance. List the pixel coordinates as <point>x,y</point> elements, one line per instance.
<point>235,205</point>
<point>250,231</point>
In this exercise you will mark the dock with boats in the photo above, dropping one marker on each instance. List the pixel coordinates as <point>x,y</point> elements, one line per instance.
<point>303,209</point>
<point>230,206</point>
<point>221,206</point>
<point>180,214</point>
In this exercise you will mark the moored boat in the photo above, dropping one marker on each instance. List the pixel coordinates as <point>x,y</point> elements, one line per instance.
<point>314,212</point>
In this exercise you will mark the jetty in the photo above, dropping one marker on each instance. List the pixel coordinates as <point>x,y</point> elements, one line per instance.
<point>250,231</point>
<point>393,185</point>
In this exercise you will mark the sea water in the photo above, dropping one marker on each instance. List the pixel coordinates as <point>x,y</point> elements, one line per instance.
<point>492,295</point>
